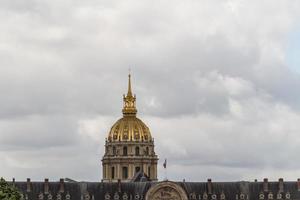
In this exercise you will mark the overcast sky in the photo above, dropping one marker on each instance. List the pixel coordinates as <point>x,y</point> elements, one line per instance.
<point>217,82</point>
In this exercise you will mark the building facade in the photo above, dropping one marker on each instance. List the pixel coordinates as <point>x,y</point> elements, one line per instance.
<point>129,147</point>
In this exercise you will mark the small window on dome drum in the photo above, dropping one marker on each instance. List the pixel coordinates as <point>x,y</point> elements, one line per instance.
<point>114,151</point>
<point>137,151</point>
<point>124,151</point>
<point>147,151</point>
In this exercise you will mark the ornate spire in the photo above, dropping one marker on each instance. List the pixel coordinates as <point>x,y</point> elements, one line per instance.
<point>129,93</point>
<point>129,108</point>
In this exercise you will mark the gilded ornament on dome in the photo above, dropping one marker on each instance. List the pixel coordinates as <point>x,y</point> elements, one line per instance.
<point>136,135</point>
<point>115,136</point>
<point>125,136</point>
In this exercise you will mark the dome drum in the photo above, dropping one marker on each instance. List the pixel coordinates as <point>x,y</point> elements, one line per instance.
<point>137,150</point>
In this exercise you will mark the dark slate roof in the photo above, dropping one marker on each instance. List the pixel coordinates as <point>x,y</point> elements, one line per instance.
<point>137,190</point>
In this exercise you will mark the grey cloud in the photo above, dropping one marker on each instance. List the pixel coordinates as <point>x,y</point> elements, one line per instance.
<point>37,132</point>
<point>212,72</point>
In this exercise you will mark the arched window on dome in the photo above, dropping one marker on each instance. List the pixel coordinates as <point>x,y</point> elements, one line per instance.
<point>124,151</point>
<point>137,151</point>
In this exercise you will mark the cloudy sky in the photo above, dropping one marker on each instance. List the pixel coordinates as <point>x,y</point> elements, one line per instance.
<point>217,82</point>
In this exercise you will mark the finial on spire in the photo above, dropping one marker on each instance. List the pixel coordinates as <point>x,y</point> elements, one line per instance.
<point>129,108</point>
<point>129,93</point>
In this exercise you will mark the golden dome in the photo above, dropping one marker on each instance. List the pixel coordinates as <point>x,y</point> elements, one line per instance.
<point>129,127</point>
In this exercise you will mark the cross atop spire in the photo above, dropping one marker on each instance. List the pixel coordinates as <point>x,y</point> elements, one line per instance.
<point>129,108</point>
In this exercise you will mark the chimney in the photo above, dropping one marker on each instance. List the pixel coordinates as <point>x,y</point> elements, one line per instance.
<point>209,186</point>
<point>46,186</point>
<point>265,185</point>
<point>28,188</point>
<point>298,184</point>
<point>280,185</point>
<point>61,185</point>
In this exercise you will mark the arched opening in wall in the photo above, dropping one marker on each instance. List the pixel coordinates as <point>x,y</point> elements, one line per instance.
<point>114,151</point>
<point>125,172</point>
<point>137,151</point>
<point>124,151</point>
<point>147,151</point>
<point>112,172</point>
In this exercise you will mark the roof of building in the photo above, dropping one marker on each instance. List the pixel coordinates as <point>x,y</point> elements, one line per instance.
<point>137,190</point>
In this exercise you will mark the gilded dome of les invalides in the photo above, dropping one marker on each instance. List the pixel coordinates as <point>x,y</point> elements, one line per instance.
<point>129,127</point>
<point>129,147</point>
